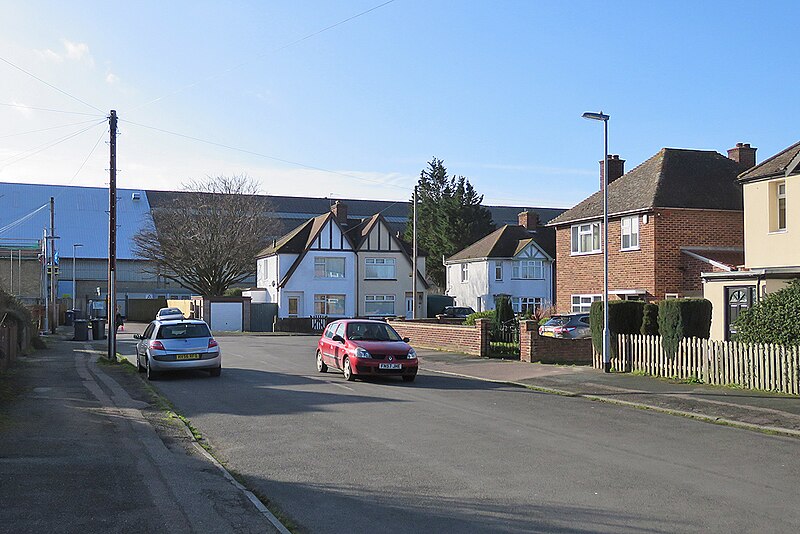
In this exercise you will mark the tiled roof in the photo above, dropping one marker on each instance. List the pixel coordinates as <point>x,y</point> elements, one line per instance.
<point>720,257</point>
<point>774,166</point>
<point>673,178</point>
<point>506,242</point>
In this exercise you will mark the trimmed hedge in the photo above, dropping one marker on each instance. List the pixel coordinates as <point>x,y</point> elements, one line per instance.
<point>682,318</point>
<point>774,319</point>
<point>472,317</point>
<point>624,317</point>
<point>650,320</point>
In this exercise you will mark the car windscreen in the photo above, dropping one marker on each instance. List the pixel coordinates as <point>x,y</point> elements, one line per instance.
<point>557,321</point>
<point>183,330</point>
<point>371,332</point>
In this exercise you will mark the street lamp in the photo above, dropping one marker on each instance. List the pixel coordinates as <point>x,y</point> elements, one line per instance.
<point>74,294</point>
<point>606,338</point>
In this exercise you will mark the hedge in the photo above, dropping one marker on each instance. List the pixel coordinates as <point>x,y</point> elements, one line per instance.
<point>650,320</point>
<point>774,319</point>
<point>682,318</point>
<point>624,317</point>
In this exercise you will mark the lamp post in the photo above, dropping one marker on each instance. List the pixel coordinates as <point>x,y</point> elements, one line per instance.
<point>74,294</point>
<point>606,338</point>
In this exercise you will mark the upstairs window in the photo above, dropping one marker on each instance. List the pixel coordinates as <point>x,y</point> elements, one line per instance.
<point>380,269</point>
<point>781,191</point>
<point>630,233</point>
<point>325,267</point>
<point>464,272</point>
<point>586,238</point>
<point>528,270</point>
<point>498,271</point>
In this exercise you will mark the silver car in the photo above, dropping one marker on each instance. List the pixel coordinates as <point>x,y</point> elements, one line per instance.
<point>177,345</point>
<point>166,314</point>
<point>568,326</point>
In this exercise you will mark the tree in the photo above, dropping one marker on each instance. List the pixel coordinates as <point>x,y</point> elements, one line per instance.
<point>449,217</point>
<point>774,319</point>
<point>208,239</point>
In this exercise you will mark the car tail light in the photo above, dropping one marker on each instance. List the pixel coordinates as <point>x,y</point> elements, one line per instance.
<point>212,343</point>
<point>157,345</point>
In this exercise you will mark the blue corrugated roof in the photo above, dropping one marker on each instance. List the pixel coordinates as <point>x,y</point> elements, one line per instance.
<point>81,216</point>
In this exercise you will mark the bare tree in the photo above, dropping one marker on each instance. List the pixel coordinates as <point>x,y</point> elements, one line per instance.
<point>207,237</point>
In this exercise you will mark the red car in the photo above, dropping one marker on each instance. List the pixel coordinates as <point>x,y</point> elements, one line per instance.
<point>360,347</point>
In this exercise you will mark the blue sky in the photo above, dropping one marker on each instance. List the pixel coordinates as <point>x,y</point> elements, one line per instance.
<point>495,89</point>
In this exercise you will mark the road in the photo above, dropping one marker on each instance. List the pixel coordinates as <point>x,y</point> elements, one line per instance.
<point>446,454</point>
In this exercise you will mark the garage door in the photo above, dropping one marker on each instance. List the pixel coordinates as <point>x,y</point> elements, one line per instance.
<point>226,316</point>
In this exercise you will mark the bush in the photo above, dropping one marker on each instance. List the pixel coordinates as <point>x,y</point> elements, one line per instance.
<point>472,317</point>
<point>682,318</point>
<point>233,292</point>
<point>624,317</point>
<point>650,320</point>
<point>774,319</point>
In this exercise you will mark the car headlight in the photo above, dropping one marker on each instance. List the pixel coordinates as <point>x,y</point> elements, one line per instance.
<point>361,353</point>
<point>412,354</point>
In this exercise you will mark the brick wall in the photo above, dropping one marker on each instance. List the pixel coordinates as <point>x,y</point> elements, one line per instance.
<point>472,340</point>
<point>534,348</point>
<point>658,266</point>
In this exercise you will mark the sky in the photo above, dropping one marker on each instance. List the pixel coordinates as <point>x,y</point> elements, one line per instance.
<point>351,99</point>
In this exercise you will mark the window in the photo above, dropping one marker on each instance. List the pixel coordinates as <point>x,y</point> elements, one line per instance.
<point>380,269</point>
<point>630,233</point>
<point>781,206</point>
<point>583,303</point>
<point>379,305</point>
<point>671,296</point>
<point>528,270</point>
<point>498,271</point>
<point>329,304</point>
<point>523,304</point>
<point>586,238</point>
<point>464,272</point>
<point>328,267</point>
<point>294,305</point>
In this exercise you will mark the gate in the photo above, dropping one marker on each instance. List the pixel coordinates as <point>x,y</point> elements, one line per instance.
<point>504,339</point>
<point>262,316</point>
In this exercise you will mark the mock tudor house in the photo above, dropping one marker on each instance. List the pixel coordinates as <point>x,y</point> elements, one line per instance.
<point>771,241</point>
<point>515,260</point>
<point>674,216</point>
<point>339,267</point>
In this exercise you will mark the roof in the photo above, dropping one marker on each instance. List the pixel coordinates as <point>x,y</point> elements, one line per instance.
<point>506,242</point>
<point>81,216</point>
<point>727,259</point>
<point>298,240</point>
<point>777,165</point>
<point>672,178</point>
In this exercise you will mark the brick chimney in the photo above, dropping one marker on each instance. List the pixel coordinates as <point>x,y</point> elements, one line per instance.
<point>528,220</point>
<point>744,155</point>
<point>339,210</point>
<point>616,168</point>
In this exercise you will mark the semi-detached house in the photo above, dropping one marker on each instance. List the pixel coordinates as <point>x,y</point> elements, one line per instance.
<point>672,217</point>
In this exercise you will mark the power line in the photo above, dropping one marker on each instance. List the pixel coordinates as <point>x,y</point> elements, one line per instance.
<point>245,151</point>
<point>4,60</point>
<point>46,129</point>
<point>256,58</point>
<point>28,153</point>
<point>87,158</point>
<point>23,106</point>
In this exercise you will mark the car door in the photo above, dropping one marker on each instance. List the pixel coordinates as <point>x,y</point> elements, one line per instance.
<point>325,346</point>
<point>338,346</point>
<point>141,346</point>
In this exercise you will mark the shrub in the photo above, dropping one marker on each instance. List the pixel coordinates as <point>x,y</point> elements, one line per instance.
<point>650,320</point>
<point>624,317</point>
<point>472,317</point>
<point>682,318</point>
<point>233,292</point>
<point>774,319</point>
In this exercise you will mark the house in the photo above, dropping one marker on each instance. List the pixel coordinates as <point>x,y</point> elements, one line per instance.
<point>674,216</point>
<point>514,260</point>
<point>771,241</point>
<point>337,266</point>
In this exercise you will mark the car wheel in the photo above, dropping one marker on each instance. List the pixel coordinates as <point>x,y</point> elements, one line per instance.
<point>348,372</point>
<point>321,367</point>
<point>216,371</point>
<point>409,378</point>
<point>151,375</point>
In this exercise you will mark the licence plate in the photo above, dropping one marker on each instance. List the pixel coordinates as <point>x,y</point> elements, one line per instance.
<point>187,356</point>
<point>548,334</point>
<point>390,366</point>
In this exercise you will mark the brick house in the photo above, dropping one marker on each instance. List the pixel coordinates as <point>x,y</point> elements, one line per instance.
<point>771,241</point>
<point>674,216</point>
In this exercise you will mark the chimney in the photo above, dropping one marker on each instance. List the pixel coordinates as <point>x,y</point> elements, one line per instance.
<point>528,220</point>
<point>339,210</point>
<point>616,168</point>
<point>744,155</point>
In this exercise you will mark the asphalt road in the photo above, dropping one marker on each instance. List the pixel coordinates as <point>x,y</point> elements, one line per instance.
<point>445,454</point>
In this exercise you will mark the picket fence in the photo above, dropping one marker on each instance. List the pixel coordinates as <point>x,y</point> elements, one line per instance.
<point>748,365</point>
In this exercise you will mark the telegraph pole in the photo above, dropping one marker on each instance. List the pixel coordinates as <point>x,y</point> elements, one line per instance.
<point>112,239</point>
<point>53,282</point>
<point>414,261</point>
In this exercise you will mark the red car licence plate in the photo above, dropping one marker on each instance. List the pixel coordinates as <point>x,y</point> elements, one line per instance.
<point>390,366</point>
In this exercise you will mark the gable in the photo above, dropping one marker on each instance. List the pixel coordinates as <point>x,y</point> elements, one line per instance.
<point>531,252</point>
<point>380,239</point>
<point>330,237</point>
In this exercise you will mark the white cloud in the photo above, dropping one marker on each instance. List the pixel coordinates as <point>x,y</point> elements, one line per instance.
<point>72,52</point>
<point>24,110</point>
<point>112,78</point>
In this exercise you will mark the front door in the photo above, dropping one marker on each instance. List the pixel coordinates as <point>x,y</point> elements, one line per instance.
<point>409,308</point>
<point>737,299</point>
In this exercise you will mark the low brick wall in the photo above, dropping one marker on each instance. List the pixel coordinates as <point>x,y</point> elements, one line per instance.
<point>472,340</point>
<point>535,348</point>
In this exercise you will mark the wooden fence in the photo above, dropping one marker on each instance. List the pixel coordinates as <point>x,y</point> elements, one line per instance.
<point>748,365</point>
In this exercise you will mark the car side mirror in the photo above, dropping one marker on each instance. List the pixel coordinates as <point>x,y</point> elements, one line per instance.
<point>337,338</point>
<point>137,336</point>
<point>406,340</point>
